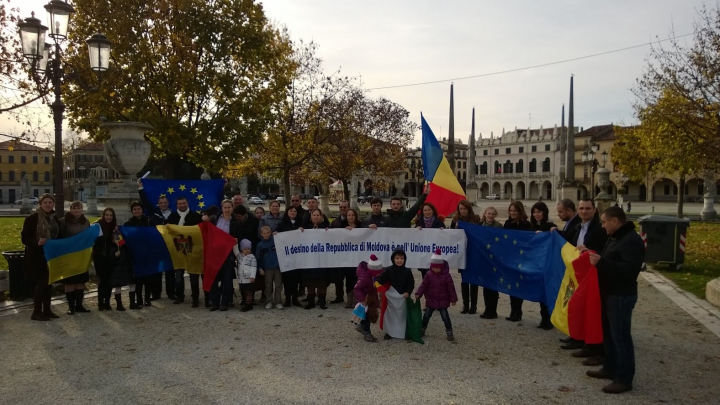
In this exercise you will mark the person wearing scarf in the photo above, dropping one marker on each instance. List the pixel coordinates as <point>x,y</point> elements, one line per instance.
<point>37,229</point>
<point>72,224</point>
<point>428,219</point>
<point>103,257</point>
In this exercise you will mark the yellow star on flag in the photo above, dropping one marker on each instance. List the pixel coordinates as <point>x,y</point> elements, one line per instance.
<point>199,196</point>
<point>517,285</point>
<point>198,211</point>
<point>163,195</point>
<point>521,251</point>
<point>491,256</point>
<point>182,187</point>
<point>515,242</point>
<point>193,190</point>
<point>521,277</point>
<point>519,265</point>
<point>501,279</point>
<point>509,287</point>
<point>494,269</point>
<point>506,236</point>
<point>202,204</point>
<point>488,246</point>
<point>170,190</point>
<point>497,239</point>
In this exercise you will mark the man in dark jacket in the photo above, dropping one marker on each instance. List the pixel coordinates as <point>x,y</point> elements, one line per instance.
<point>567,212</point>
<point>312,204</point>
<point>184,216</point>
<point>618,267</point>
<point>397,217</point>
<point>376,219</point>
<point>296,202</point>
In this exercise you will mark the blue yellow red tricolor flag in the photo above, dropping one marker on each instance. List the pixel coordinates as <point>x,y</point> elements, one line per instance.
<point>70,256</point>
<point>540,267</point>
<point>200,194</point>
<point>446,191</point>
<point>199,249</point>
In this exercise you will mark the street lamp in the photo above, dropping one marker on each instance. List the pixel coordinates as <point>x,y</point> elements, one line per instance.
<point>588,158</point>
<point>37,53</point>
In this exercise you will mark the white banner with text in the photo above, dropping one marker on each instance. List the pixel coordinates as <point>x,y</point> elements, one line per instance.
<point>319,248</point>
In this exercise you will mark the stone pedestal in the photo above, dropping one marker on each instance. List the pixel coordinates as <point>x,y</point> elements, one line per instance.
<point>92,208</point>
<point>471,193</point>
<point>568,190</point>
<point>324,201</point>
<point>708,210</point>
<point>603,200</point>
<point>353,193</point>
<point>712,292</point>
<point>127,152</point>
<point>26,208</point>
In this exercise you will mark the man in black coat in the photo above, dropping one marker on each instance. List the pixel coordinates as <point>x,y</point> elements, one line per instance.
<point>312,204</point>
<point>184,216</point>
<point>567,213</point>
<point>618,266</point>
<point>158,215</point>
<point>296,202</point>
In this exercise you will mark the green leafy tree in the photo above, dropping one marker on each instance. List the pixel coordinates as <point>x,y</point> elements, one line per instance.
<point>209,76</point>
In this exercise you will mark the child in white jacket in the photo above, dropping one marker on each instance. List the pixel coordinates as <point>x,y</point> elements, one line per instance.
<point>246,271</point>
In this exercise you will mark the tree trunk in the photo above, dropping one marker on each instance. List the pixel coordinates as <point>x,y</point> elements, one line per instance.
<point>681,196</point>
<point>286,185</point>
<point>172,163</point>
<point>346,190</point>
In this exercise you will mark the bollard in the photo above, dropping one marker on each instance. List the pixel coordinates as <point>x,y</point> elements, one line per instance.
<point>653,209</point>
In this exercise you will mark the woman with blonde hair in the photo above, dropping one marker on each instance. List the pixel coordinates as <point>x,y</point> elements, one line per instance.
<point>490,297</point>
<point>469,292</point>
<point>72,224</point>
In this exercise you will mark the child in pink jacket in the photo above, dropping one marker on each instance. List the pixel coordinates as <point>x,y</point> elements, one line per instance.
<point>439,291</point>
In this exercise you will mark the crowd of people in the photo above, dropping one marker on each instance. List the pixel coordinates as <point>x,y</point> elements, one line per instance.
<point>617,252</point>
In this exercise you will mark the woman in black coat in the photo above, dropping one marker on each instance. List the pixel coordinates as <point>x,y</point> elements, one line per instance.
<point>152,282</point>
<point>106,256</point>
<point>540,221</point>
<point>37,229</point>
<point>316,280</point>
<point>428,218</point>
<point>469,292</point>
<point>518,220</point>
<point>291,278</point>
<point>349,274</point>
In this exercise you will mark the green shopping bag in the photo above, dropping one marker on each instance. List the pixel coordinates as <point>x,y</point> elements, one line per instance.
<point>413,327</point>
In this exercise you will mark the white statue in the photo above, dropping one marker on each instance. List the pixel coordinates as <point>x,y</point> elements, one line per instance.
<point>25,187</point>
<point>92,185</point>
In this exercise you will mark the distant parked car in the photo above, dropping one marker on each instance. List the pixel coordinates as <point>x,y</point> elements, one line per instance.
<point>256,201</point>
<point>280,199</point>
<point>364,199</point>
<point>492,197</point>
<point>32,200</point>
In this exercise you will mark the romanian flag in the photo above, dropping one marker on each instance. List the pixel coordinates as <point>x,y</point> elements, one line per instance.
<point>446,191</point>
<point>71,256</point>
<point>200,194</point>
<point>199,249</point>
<point>540,267</point>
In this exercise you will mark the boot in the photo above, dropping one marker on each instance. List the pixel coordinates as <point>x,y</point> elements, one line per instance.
<point>338,294</point>
<point>207,300</point>
<point>310,301</point>
<point>450,335</point>
<point>465,292</point>
<point>79,296</point>
<point>101,300</point>
<point>148,297</point>
<point>196,302</point>
<point>71,302</point>
<point>321,301</point>
<point>107,300</point>
<point>118,303</point>
<point>287,301</point>
<point>490,307</point>
<point>515,309</point>
<point>295,301</point>
<point>37,314</point>
<point>350,302</point>
<point>473,299</point>
<point>47,310</point>
<point>133,302</point>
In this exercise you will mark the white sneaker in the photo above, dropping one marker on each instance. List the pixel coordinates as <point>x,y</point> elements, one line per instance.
<point>268,305</point>
<point>279,306</point>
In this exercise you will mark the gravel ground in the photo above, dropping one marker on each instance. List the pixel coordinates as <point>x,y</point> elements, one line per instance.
<point>173,354</point>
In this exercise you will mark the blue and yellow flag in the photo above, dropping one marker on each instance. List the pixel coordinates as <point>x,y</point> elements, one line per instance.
<point>71,256</point>
<point>522,264</point>
<point>200,194</point>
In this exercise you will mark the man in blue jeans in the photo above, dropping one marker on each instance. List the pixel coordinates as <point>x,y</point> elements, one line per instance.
<point>618,267</point>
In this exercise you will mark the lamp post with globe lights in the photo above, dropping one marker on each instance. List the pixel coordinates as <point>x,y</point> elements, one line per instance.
<point>38,54</point>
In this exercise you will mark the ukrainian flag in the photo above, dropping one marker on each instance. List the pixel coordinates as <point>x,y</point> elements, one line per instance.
<point>446,191</point>
<point>71,256</point>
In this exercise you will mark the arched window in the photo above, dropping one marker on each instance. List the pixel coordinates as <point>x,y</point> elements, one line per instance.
<point>519,166</point>
<point>484,168</point>
<point>533,166</point>
<point>47,176</point>
<point>508,166</point>
<point>546,165</point>
<point>497,168</point>
<point>35,176</point>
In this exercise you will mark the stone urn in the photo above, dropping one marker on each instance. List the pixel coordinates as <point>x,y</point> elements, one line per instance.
<point>127,150</point>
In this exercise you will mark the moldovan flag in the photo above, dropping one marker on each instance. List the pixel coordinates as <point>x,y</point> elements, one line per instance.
<point>577,311</point>
<point>198,249</point>
<point>71,256</point>
<point>446,191</point>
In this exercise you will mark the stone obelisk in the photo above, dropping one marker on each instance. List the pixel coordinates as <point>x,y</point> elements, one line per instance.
<point>451,132</point>
<point>569,185</point>
<point>471,190</point>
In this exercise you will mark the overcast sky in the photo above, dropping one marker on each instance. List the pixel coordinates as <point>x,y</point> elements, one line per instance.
<point>398,42</point>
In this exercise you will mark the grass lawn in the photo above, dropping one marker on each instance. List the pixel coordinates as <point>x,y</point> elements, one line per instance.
<point>702,259</point>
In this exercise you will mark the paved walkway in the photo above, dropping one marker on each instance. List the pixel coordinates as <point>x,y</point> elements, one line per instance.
<point>170,354</point>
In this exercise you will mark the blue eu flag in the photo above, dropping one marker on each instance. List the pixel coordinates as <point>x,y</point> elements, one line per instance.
<point>200,194</point>
<point>518,263</point>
